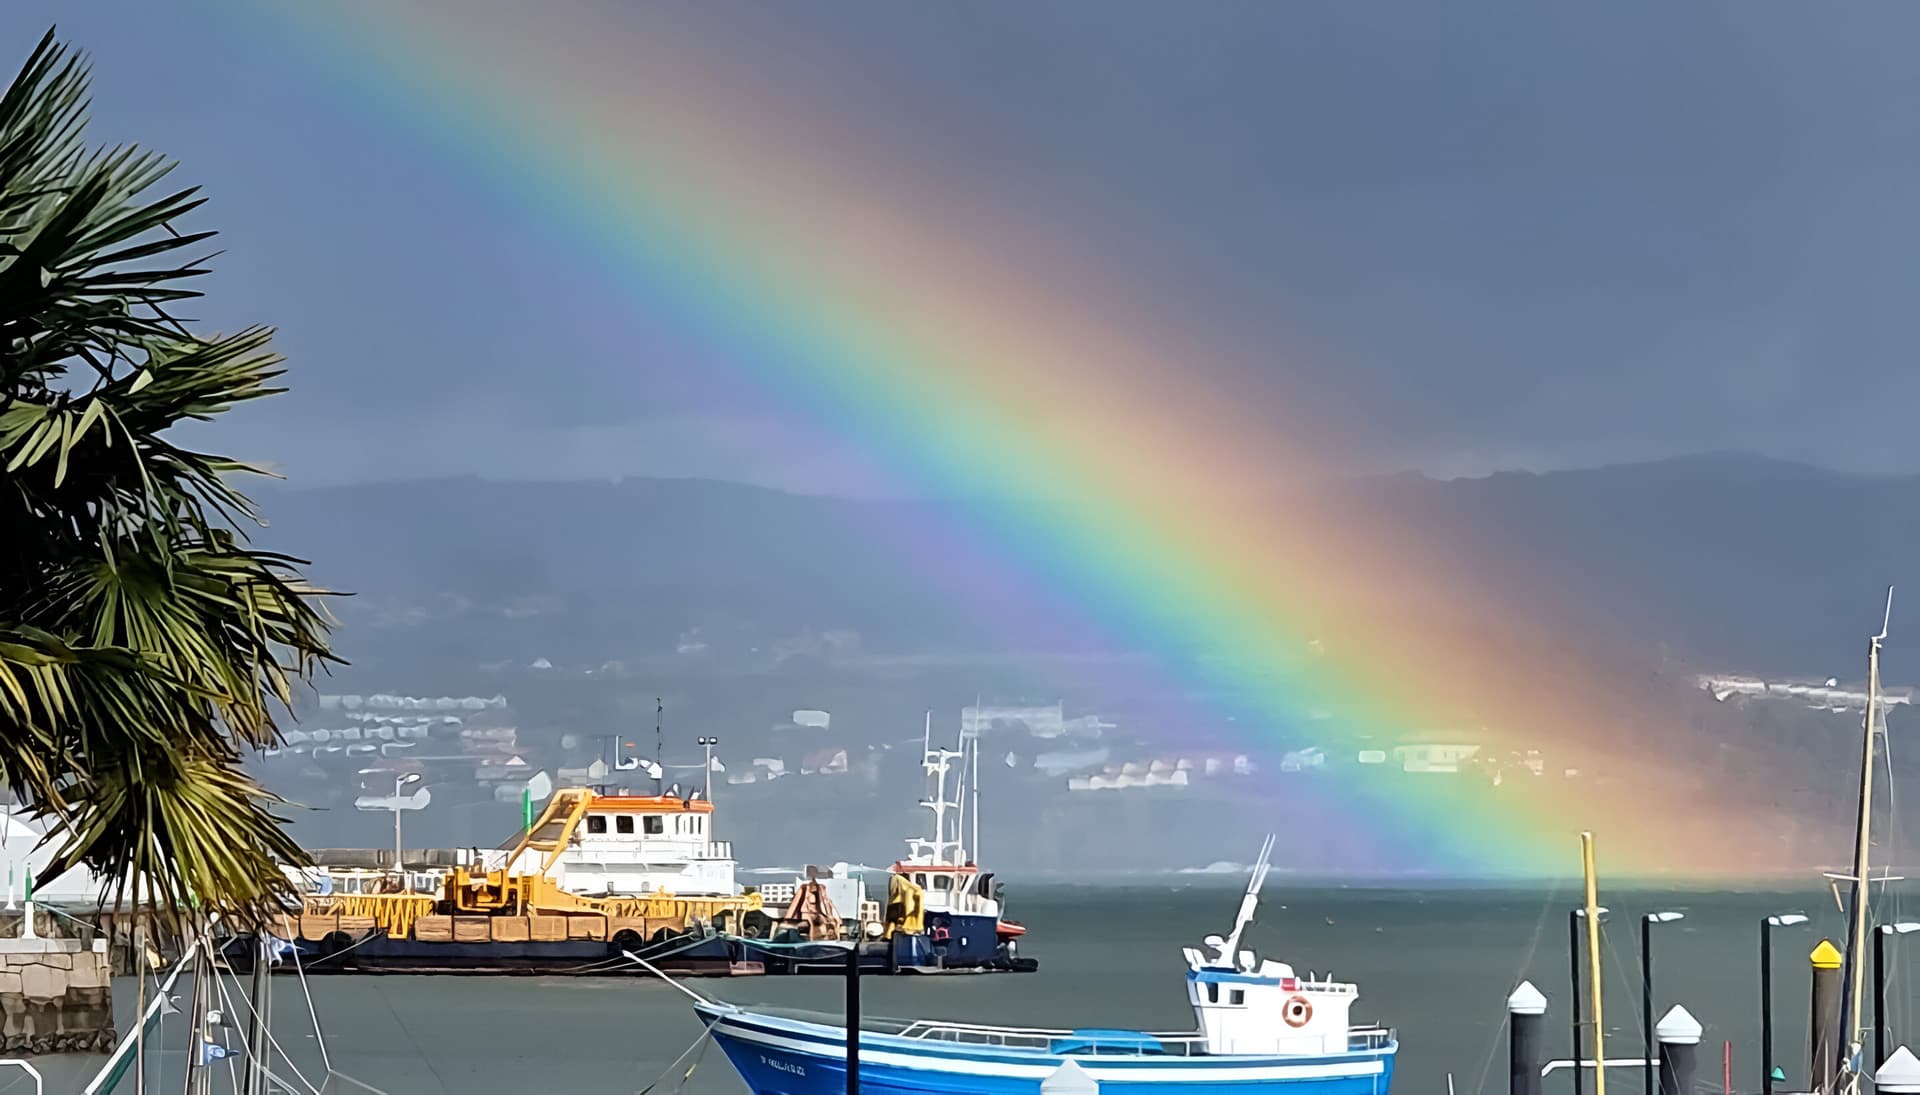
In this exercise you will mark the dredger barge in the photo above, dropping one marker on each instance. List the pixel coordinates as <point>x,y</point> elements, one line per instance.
<point>607,885</point>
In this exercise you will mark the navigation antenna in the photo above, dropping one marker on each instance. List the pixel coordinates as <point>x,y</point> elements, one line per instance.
<point>659,743</point>
<point>1248,903</point>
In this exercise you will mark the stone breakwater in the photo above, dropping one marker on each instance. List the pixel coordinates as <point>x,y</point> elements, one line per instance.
<point>56,996</point>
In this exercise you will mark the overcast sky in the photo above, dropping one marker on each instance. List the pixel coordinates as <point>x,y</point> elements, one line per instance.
<point>1515,235</point>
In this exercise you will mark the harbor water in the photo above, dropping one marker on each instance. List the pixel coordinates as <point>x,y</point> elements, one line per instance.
<point>1437,964</point>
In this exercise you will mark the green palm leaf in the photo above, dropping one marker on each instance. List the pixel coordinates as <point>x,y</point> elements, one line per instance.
<point>145,646</point>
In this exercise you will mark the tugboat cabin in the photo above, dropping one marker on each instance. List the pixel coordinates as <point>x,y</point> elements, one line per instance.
<point>951,888</point>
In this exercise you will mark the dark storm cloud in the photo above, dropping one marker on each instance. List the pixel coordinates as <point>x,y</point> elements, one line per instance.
<point>1494,235</point>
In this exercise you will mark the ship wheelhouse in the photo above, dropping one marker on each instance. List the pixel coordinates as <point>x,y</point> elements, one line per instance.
<point>642,844</point>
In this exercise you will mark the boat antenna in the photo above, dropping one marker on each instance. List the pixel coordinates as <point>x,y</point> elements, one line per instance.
<point>1862,844</point>
<point>976,798</point>
<point>659,743</point>
<point>960,800</point>
<point>1250,902</point>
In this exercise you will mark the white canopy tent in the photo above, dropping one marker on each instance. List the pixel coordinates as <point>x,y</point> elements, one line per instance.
<point>24,848</point>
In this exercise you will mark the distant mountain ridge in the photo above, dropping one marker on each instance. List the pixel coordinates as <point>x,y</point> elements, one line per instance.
<point>1740,562</point>
<point>584,602</point>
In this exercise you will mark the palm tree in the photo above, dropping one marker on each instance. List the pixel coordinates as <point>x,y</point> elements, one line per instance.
<point>145,646</point>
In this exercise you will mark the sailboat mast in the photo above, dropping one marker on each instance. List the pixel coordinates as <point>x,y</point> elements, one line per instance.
<point>1862,846</point>
<point>1593,965</point>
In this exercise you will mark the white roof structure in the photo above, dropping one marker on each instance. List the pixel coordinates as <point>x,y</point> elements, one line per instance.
<point>23,848</point>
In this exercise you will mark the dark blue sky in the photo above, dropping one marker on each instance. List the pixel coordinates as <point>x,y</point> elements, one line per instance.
<point>1504,235</point>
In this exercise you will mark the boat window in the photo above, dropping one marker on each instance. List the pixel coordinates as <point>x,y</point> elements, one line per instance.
<point>1236,996</point>
<point>920,880</point>
<point>653,824</point>
<point>942,882</point>
<point>1213,992</point>
<point>623,824</point>
<point>596,823</point>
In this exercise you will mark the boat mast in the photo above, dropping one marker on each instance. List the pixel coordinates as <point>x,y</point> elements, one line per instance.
<point>936,763</point>
<point>1862,845</point>
<point>976,798</point>
<point>1593,965</point>
<point>659,745</point>
<point>960,800</point>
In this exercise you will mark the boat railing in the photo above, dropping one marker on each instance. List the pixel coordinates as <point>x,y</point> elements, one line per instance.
<point>976,1034</point>
<point>1184,1043</point>
<point>1370,1038</point>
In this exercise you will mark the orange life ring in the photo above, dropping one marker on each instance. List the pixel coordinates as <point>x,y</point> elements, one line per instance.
<point>1297,1011</point>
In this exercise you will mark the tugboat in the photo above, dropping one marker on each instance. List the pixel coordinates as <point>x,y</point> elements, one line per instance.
<point>961,906</point>
<point>942,913</point>
<point>958,906</point>
<point>1262,1028</point>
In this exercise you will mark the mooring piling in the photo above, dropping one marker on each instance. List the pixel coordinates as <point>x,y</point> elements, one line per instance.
<point>1679,1036</point>
<point>1526,1018</point>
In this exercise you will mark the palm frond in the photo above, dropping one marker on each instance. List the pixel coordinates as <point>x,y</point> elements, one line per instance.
<point>145,646</point>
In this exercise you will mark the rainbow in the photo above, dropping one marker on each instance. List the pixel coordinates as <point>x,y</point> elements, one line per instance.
<point>970,349</point>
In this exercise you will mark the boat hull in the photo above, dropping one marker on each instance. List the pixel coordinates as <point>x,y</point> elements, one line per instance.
<point>951,944</point>
<point>378,952</point>
<point>777,1056</point>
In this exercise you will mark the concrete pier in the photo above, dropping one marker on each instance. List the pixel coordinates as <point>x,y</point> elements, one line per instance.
<point>56,996</point>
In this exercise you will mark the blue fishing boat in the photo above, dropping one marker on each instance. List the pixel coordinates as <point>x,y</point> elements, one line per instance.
<point>1261,1027</point>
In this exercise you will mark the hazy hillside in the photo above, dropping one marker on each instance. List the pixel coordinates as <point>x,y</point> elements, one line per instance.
<point>1730,560</point>
<point>583,602</point>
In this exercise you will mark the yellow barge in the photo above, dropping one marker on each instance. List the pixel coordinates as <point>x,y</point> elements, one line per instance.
<point>595,877</point>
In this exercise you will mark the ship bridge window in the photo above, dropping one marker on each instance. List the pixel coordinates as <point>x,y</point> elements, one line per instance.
<point>1236,997</point>
<point>654,824</point>
<point>596,823</point>
<point>623,824</point>
<point>942,882</point>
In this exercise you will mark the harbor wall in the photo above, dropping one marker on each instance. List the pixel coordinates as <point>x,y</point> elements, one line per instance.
<point>56,996</point>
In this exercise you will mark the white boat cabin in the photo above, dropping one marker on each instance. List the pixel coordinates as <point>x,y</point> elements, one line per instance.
<point>1246,1005</point>
<point>1264,1007</point>
<point>950,888</point>
<point>634,844</point>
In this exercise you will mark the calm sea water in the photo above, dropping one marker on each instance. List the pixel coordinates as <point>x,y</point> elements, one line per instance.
<point>1437,965</point>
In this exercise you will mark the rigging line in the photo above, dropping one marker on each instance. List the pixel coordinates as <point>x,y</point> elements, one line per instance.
<point>271,1042</point>
<point>400,1024</point>
<point>361,1084</point>
<point>1547,907</point>
<point>319,1037</point>
<point>700,1043</point>
<point>367,938</point>
<point>220,983</point>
